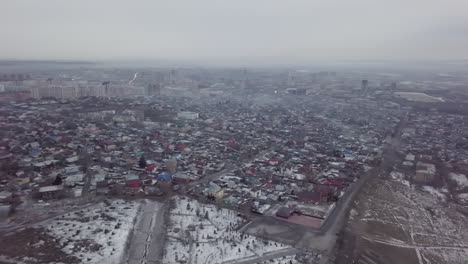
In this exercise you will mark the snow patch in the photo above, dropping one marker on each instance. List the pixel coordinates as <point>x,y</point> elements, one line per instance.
<point>434,192</point>
<point>203,233</point>
<point>463,197</point>
<point>400,177</point>
<point>352,214</point>
<point>460,179</point>
<point>97,234</point>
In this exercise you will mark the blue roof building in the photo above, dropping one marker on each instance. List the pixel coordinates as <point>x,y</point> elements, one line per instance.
<point>164,177</point>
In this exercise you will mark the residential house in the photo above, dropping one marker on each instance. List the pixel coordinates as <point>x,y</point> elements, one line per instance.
<point>51,192</point>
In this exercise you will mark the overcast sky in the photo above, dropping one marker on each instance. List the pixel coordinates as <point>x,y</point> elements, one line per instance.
<point>235,30</point>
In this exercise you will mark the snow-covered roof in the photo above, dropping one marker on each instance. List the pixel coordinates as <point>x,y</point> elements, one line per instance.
<point>51,188</point>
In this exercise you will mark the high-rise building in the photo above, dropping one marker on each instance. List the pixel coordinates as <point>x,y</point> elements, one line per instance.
<point>364,84</point>
<point>106,89</point>
<point>35,92</point>
<point>153,89</point>
<point>55,91</point>
<point>364,87</point>
<point>14,77</point>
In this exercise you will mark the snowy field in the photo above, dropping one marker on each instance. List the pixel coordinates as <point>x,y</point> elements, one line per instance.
<point>201,233</point>
<point>395,213</point>
<point>283,260</point>
<point>97,234</point>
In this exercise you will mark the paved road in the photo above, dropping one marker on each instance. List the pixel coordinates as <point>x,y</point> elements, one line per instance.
<point>390,149</point>
<point>265,257</point>
<point>87,171</point>
<point>324,239</point>
<point>147,241</point>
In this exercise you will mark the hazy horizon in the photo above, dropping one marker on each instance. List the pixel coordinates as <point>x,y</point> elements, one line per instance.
<point>235,32</point>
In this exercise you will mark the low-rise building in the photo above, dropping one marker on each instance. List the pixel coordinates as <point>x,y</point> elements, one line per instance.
<point>51,192</point>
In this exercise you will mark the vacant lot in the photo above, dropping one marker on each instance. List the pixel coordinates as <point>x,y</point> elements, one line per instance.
<point>394,222</point>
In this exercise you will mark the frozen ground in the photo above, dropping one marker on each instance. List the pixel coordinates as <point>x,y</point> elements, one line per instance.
<point>97,234</point>
<point>435,192</point>
<point>282,260</point>
<point>32,245</point>
<point>394,215</point>
<point>201,233</point>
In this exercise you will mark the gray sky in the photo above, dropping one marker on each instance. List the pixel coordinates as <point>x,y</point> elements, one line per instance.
<point>235,30</point>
